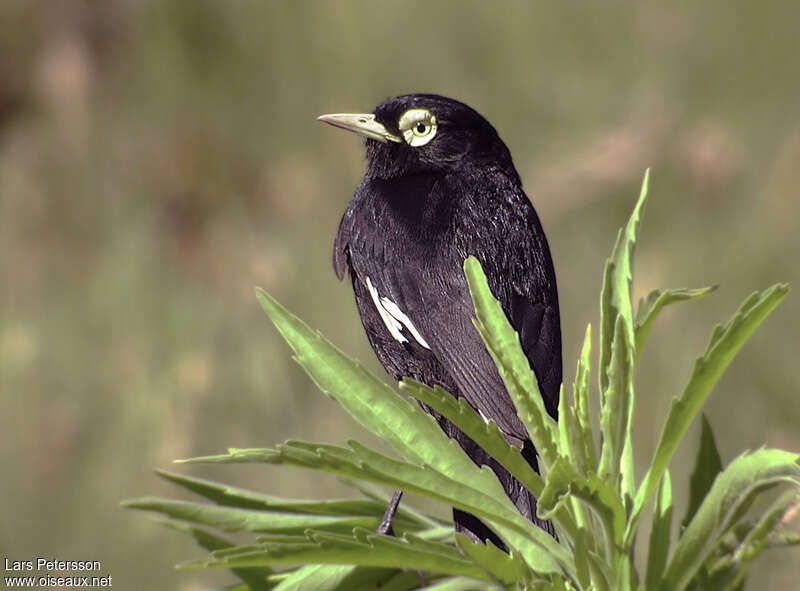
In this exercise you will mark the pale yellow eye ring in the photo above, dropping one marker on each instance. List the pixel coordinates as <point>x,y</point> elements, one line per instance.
<point>418,127</point>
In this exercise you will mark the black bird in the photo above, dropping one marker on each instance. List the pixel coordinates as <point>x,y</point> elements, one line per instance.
<point>440,186</point>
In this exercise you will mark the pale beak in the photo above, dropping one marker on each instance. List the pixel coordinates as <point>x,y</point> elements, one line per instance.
<point>362,124</point>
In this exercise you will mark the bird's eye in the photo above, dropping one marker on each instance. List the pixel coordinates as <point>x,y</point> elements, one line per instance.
<point>418,127</point>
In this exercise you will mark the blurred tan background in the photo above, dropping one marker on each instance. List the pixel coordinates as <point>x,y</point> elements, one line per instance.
<point>159,159</point>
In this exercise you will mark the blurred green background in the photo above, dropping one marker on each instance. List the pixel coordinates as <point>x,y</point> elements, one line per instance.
<point>160,159</point>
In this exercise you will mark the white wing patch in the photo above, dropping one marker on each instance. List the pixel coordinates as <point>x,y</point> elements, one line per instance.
<point>394,318</point>
<point>398,315</point>
<point>390,321</point>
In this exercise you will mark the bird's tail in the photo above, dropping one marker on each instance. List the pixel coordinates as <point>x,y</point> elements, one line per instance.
<point>525,496</point>
<point>474,528</point>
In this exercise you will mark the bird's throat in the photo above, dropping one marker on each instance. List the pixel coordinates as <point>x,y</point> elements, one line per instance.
<point>414,202</point>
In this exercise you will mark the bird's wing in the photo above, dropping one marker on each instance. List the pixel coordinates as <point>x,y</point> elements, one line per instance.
<point>423,306</point>
<point>440,307</point>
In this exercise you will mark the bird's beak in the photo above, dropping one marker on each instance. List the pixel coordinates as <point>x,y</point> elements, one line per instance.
<point>362,124</point>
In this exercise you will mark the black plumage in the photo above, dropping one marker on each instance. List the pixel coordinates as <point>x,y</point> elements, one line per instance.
<point>440,186</point>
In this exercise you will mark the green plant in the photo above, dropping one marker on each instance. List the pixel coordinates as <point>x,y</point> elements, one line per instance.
<point>587,488</point>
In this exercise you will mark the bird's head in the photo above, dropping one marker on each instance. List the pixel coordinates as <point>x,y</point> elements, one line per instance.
<point>418,133</point>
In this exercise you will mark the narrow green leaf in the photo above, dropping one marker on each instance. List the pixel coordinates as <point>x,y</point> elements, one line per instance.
<point>655,301</point>
<point>660,533</point>
<point>731,495</point>
<point>582,567</point>
<point>616,307</point>
<point>615,296</point>
<point>502,342</point>
<point>615,418</point>
<point>569,443</point>
<point>585,457</point>
<point>572,448</point>
<point>231,496</point>
<point>505,568</point>
<point>232,519</point>
<point>334,577</point>
<point>707,465</point>
<point>322,577</point>
<point>319,577</point>
<point>580,395</point>
<point>362,548</point>
<point>255,578</point>
<point>725,343</point>
<point>626,574</point>
<point>204,539</point>
<point>601,572</point>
